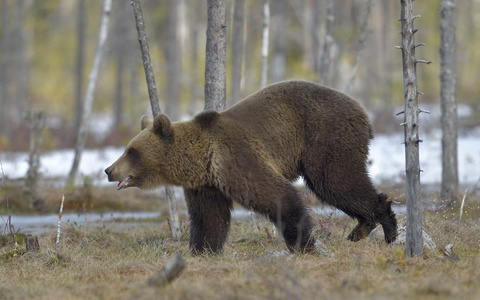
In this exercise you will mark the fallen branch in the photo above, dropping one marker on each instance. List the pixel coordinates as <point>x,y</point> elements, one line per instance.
<point>171,270</point>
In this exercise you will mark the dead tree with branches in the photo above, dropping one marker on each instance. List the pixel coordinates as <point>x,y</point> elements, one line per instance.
<point>414,239</point>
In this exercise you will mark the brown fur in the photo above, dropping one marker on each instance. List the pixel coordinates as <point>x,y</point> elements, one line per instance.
<point>252,152</point>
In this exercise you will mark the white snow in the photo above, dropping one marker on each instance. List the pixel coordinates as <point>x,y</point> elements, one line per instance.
<point>387,156</point>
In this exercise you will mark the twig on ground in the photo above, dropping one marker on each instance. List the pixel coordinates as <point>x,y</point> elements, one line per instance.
<point>171,270</point>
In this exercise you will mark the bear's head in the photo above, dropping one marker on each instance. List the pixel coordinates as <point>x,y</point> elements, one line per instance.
<point>141,163</point>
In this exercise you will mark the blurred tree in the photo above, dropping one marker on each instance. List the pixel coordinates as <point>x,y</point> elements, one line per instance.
<point>238,49</point>
<point>80,61</point>
<point>216,52</point>
<point>279,55</point>
<point>92,82</point>
<point>324,68</point>
<point>4,68</point>
<point>449,119</point>
<point>21,63</point>
<point>265,42</point>
<point>173,53</point>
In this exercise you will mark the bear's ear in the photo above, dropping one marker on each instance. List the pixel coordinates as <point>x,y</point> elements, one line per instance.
<point>145,122</point>
<point>162,126</point>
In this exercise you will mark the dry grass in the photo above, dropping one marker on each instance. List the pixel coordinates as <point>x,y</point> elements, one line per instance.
<point>110,262</point>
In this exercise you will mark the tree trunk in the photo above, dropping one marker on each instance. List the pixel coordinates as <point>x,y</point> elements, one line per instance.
<point>153,96</point>
<point>414,240</point>
<point>362,38</point>
<point>279,57</point>
<point>216,52</point>
<point>324,73</point>
<point>4,69</point>
<point>237,49</point>
<point>80,61</point>
<point>174,67</point>
<point>92,81</point>
<point>266,28</point>
<point>449,119</point>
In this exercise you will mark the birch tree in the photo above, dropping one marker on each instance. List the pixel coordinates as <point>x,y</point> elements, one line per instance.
<point>414,240</point>
<point>449,118</point>
<point>153,96</point>
<point>92,81</point>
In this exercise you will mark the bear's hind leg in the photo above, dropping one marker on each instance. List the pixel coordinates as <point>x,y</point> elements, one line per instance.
<point>285,208</point>
<point>209,212</point>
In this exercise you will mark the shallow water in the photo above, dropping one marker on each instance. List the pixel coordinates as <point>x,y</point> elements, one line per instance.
<point>34,224</point>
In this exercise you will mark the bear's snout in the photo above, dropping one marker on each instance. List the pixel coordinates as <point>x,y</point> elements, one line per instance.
<point>108,171</point>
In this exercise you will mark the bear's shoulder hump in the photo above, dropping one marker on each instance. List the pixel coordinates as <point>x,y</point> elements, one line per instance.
<point>206,118</point>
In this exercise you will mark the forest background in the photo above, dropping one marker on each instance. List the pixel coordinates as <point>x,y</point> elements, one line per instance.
<point>47,50</point>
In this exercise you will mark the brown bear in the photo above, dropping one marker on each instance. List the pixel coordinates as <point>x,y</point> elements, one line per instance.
<point>251,153</point>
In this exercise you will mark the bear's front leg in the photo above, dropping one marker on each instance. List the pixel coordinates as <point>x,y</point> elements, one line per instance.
<point>209,212</point>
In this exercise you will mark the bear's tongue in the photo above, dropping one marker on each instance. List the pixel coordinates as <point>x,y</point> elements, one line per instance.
<point>123,183</point>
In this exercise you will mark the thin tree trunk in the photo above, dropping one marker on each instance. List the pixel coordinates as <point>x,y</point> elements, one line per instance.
<point>449,119</point>
<point>324,73</point>
<point>216,52</point>
<point>266,28</point>
<point>414,240</point>
<point>279,60</point>
<point>4,69</point>
<point>173,55</point>
<point>153,96</point>
<point>92,81</point>
<point>237,49</point>
<point>360,47</point>
<point>80,61</point>
<point>21,62</point>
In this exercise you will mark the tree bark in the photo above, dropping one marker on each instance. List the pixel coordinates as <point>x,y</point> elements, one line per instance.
<point>80,61</point>
<point>4,73</point>
<point>449,118</point>
<point>414,240</point>
<point>153,96</point>
<point>237,49</point>
<point>324,73</point>
<point>265,33</point>
<point>174,68</point>
<point>279,59</point>
<point>362,38</point>
<point>92,81</point>
<point>216,52</point>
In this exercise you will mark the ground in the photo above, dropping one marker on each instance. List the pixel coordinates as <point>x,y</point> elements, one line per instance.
<point>110,261</point>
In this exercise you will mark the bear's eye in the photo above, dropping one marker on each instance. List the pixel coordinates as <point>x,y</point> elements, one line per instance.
<point>132,152</point>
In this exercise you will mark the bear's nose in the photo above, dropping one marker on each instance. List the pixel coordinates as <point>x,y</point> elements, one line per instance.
<point>108,172</point>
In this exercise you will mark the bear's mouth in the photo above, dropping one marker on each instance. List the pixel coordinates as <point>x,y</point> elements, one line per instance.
<point>124,183</point>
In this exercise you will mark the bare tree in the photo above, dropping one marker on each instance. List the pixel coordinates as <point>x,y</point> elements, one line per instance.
<point>449,119</point>
<point>414,239</point>
<point>216,52</point>
<point>80,61</point>
<point>237,48</point>
<point>361,43</point>
<point>265,31</point>
<point>324,73</point>
<point>4,75</point>
<point>173,57</point>
<point>153,96</point>
<point>279,56</point>
<point>92,81</point>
